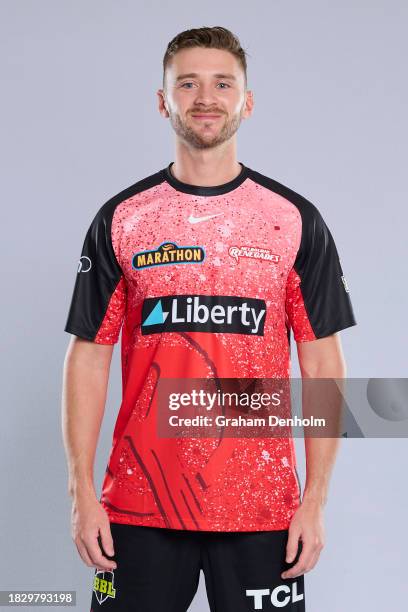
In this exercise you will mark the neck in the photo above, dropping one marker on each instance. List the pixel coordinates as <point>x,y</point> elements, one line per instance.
<point>208,167</point>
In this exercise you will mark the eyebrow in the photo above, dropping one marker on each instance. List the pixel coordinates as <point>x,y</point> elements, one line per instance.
<point>193,75</point>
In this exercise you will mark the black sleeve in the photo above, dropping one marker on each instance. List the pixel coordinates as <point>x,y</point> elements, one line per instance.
<point>318,299</point>
<point>99,297</point>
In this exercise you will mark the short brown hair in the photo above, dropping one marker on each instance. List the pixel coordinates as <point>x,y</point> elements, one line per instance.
<point>216,37</point>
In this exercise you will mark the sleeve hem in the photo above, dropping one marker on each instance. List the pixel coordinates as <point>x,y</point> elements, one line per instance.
<point>85,335</point>
<point>329,332</point>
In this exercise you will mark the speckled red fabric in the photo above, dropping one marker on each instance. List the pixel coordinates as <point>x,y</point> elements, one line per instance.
<point>251,237</point>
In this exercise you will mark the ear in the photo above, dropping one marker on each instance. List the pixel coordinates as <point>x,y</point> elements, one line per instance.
<point>162,104</point>
<point>249,104</point>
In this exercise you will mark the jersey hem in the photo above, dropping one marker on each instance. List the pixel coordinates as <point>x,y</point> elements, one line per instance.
<point>190,525</point>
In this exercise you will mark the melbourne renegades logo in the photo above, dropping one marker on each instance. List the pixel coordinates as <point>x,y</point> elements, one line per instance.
<point>253,252</point>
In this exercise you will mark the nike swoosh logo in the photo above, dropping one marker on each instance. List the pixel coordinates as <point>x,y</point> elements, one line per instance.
<point>193,219</point>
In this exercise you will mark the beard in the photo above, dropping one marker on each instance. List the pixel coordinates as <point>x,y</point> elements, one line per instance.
<point>196,140</point>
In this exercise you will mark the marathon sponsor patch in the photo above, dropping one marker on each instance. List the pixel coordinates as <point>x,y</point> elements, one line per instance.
<point>168,253</point>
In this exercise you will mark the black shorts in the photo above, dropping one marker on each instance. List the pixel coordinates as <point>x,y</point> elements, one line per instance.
<point>158,570</point>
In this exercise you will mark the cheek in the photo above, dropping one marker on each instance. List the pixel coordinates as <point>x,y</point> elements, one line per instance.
<point>181,104</point>
<point>234,103</point>
<point>176,102</point>
<point>236,109</point>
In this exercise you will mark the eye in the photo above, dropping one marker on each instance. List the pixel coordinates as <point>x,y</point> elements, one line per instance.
<point>226,84</point>
<point>187,83</point>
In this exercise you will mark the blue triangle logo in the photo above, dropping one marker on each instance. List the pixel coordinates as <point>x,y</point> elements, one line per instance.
<point>156,315</point>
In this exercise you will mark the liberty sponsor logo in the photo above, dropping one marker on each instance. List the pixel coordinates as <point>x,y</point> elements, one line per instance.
<point>279,597</point>
<point>168,253</point>
<point>103,585</point>
<point>84,264</point>
<point>193,219</point>
<point>253,252</point>
<point>343,278</point>
<point>203,313</point>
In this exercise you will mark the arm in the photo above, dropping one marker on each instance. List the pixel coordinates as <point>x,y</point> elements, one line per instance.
<point>321,358</point>
<point>85,382</point>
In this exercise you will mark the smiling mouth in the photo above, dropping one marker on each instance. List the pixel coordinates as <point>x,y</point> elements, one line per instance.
<point>205,116</point>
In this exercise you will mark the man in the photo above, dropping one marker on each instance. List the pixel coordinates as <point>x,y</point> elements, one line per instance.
<point>205,266</point>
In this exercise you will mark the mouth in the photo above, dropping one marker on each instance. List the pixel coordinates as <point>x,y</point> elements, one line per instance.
<point>205,116</point>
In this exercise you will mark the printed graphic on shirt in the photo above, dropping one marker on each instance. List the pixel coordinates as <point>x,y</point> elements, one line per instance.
<point>168,253</point>
<point>255,252</point>
<point>84,264</point>
<point>263,265</point>
<point>203,313</point>
<point>343,278</point>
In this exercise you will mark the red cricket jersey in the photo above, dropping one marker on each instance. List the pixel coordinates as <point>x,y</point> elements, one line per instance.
<point>204,282</point>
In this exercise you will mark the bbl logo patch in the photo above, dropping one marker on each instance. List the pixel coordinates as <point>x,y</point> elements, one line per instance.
<point>168,253</point>
<point>103,585</point>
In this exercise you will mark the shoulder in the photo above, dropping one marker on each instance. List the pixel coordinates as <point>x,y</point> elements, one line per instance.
<point>308,210</point>
<point>107,209</point>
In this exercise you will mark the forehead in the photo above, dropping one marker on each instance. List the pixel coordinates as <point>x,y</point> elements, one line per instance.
<point>204,62</point>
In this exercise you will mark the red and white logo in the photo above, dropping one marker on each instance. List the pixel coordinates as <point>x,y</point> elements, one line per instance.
<point>253,252</point>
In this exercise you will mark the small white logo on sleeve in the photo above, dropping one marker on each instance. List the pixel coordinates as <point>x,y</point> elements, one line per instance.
<point>84,264</point>
<point>343,278</point>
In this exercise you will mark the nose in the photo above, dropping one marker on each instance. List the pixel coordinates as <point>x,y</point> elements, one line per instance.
<point>206,95</point>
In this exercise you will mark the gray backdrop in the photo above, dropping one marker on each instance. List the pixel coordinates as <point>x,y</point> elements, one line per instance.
<point>79,123</point>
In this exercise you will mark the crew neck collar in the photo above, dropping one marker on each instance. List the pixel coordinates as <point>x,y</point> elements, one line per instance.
<point>205,190</point>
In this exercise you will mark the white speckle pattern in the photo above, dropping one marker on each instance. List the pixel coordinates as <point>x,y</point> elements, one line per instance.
<point>247,484</point>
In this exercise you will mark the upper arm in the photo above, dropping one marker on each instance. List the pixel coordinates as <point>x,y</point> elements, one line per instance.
<point>317,297</point>
<point>98,301</point>
<point>89,353</point>
<point>322,357</point>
